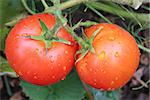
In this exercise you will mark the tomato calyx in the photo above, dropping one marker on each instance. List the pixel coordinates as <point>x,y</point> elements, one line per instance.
<point>49,36</point>
<point>87,45</point>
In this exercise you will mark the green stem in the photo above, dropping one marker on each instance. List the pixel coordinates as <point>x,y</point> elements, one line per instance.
<point>65,5</point>
<point>98,13</point>
<point>45,4</point>
<point>26,6</point>
<point>143,48</point>
<point>104,7</point>
<point>78,39</point>
<point>7,86</point>
<point>88,91</point>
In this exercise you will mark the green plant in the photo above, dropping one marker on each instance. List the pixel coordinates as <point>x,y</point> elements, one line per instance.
<point>71,88</point>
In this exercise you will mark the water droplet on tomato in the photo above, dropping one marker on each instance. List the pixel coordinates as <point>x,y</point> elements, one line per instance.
<point>116,78</point>
<point>20,73</point>
<point>116,54</point>
<point>112,82</point>
<point>14,64</point>
<point>64,68</point>
<point>51,67</point>
<point>24,34</point>
<point>69,60</point>
<point>63,78</point>
<point>28,72</point>
<point>111,38</point>
<point>101,89</point>
<point>51,59</point>
<point>59,64</point>
<point>91,69</point>
<point>95,80</point>
<point>102,55</point>
<point>36,50</point>
<point>66,52</point>
<point>104,72</point>
<point>109,89</point>
<point>35,77</point>
<point>34,73</point>
<point>53,77</point>
<point>95,83</point>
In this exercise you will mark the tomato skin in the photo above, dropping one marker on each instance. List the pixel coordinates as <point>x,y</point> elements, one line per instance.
<point>28,57</point>
<point>116,59</point>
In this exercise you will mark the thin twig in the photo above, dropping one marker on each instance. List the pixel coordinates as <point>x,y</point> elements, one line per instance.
<point>141,82</point>
<point>26,6</point>
<point>87,90</point>
<point>45,4</point>
<point>144,48</point>
<point>7,86</point>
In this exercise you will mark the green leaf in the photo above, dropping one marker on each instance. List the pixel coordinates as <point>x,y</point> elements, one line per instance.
<point>9,9</point>
<point>5,68</point>
<point>68,89</point>
<point>105,95</point>
<point>3,34</point>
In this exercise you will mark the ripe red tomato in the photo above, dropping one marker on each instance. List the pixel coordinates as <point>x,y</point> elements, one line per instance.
<point>116,59</point>
<point>28,57</point>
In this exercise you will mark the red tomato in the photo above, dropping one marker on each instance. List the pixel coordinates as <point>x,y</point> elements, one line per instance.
<point>28,57</point>
<point>116,59</point>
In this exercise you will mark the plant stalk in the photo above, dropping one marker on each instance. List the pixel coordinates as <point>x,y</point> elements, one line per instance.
<point>65,5</point>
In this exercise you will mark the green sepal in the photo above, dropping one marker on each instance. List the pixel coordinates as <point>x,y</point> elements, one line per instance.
<point>77,25</point>
<point>84,35</point>
<point>88,23</point>
<point>94,34</point>
<point>83,54</point>
<point>61,40</point>
<point>78,52</point>
<point>36,37</point>
<point>85,24</point>
<point>44,27</point>
<point>61,18</point>
<point>48,45</point>
<point>55,28</point>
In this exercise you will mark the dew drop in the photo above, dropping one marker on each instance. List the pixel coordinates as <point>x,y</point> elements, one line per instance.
<point>24,35</point>
<point>116,54</point>
<point>63,78</point>
<point>91,69</point>
<point>112,82</point>
<point>64,68</point>
<point>53,77</point>
<point>116,78</point>
<point>35,77</point>
<point>28,72</point>
<point>101,89</point>
<point>111,38</point>
<point>109,89</point>
<point>66,52</point>
<point>14,64</point>
<point>51,67</point>
<point>36,50</point>
<point>104,72</point>
<point>20,73</point>
<point>69,60</point>
<point>102,55</point>
<point>95,83</point>
<point>34,73</point>
<point>95,80</point>
<point>59,64</point>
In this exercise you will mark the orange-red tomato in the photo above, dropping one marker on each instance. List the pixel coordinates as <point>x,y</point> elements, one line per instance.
<point>116,58</point>
<point>28,57</point>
